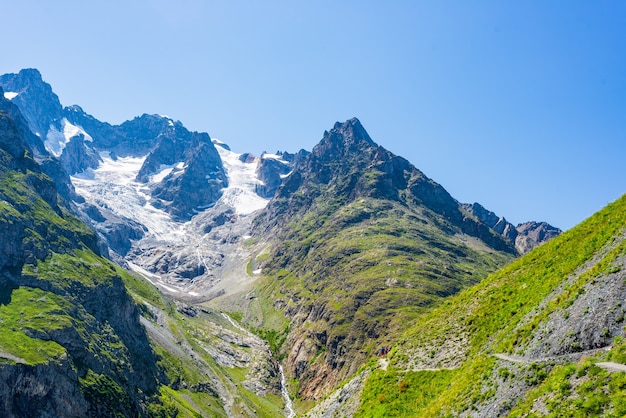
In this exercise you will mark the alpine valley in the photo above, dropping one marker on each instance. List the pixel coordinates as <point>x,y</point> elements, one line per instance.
<point>147,270</point>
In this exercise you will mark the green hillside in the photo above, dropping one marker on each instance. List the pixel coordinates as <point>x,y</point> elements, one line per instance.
<point>525,341</point>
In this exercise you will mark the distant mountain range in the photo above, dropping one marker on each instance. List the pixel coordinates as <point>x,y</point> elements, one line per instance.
<point>326,255</point>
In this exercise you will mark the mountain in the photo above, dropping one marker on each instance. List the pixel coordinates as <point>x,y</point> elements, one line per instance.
<point>524,236</point>
<point>140,183</point>
<point>320,257</point>
<point>543,336</point>
<point>363,242</point>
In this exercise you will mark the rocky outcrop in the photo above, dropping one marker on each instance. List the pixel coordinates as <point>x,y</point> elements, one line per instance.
<point>271,172</point>
<point>532,234</point>
<point>524,236</point>
<point>77,157</point>
<point>197,180</point>
<point>35,98</point>
<point>118,232</point>
<point>41,390</point>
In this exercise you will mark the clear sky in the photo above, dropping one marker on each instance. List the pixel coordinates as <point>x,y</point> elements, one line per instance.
<point>518,105</point>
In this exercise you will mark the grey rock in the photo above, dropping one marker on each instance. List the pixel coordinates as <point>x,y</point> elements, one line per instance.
<point>36,100</point>
<point>524,237</point>
<point>271,172</point>
<point>77,157</point>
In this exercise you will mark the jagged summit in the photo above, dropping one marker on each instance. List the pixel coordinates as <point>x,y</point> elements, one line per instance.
<point>35,98</point>
<point>349,137</point>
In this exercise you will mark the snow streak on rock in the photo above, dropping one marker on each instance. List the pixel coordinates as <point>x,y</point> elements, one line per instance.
<point>10,95</point>
<point>56,139</point>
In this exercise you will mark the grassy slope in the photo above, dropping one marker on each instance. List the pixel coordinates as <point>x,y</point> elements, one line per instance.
<point>487,319</point>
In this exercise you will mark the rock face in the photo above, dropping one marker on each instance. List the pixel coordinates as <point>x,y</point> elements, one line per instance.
<point>197,177</point>
<point>524,236</point>
<point>271,172</point>
<point>530,234</point>
<point>35,98</point>
<point>77,156</point>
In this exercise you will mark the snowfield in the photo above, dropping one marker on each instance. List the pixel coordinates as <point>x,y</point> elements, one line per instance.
<point>242,182</point>
<point>112,186</point>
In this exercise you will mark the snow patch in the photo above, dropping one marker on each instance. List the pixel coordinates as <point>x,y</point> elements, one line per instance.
<point>56,140</point>
<point>242,183</point>
<point>266,155</point>
<point>10,95</point>
<point>163,171</point>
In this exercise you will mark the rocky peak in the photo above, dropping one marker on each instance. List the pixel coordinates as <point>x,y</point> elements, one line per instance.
<point>347,137</point>
<point>524,236</point>
<point>143,133</point>
<point>532,234</point>
<point>197,175</point>
<point>35,98</point>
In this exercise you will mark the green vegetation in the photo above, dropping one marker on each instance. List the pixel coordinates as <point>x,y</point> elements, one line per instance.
<point>578,390</point>
<point>502,313</point>
<point>395,394</point>
<point>60,302</point>
<point>26,322</point>
<point>102,390</point>
<point>274,338</point>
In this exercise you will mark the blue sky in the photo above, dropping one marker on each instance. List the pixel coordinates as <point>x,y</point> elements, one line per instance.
<point>517,105</point>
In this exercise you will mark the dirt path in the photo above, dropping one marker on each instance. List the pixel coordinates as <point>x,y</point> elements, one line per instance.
<point>12,357</point>
<point>607,365</point>
<point>570,356</point>
<point>612,367</point>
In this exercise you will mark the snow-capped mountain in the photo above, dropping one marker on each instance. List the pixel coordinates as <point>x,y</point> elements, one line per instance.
<point>169,203</point>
